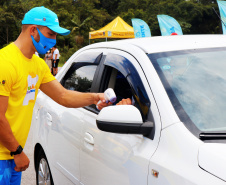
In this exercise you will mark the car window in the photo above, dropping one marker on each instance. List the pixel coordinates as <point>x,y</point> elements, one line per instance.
<point>81,79</point>
<point>195,83</point>
<point>80,75</point>
<point>121,86</point>
<point>122,76</point>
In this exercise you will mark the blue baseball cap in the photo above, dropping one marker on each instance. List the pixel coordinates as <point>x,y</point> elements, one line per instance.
<point>44,17</point>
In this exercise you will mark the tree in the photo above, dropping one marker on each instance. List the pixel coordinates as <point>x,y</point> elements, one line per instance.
<point>80,27</point>
<point>79,16</point>
<point>11,13</point>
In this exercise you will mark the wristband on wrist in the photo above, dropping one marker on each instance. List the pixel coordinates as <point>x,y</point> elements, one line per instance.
<point>18,151</point>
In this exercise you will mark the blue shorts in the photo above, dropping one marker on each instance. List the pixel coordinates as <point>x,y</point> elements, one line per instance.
<point>8,176</point>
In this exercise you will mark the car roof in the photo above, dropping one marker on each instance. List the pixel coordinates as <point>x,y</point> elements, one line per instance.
<point>158,44</point>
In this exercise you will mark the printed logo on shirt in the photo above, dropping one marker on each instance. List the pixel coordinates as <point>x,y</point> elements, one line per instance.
<point>30,95</point>
<point>3,82</point>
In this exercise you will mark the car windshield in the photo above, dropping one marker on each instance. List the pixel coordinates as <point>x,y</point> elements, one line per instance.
<point>195,81</point>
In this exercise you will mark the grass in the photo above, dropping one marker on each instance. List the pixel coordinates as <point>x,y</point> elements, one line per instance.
<point>60,64</point>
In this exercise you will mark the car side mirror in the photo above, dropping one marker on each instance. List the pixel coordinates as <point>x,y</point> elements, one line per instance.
<point>123,119</point>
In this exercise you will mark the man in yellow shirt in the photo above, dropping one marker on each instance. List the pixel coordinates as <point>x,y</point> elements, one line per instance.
<point>22,73</point>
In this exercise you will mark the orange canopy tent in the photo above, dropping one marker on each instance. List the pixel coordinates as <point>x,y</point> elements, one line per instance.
<point>118,28</point>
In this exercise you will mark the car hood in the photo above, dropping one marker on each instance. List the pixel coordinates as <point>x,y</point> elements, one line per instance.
<point>212,158</point>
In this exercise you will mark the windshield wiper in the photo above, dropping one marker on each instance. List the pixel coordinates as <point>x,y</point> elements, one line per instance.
<point>212,136</point>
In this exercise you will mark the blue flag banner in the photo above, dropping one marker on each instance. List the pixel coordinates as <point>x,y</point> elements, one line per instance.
<point>222,8</point>
<point>141,29</point>
<point>169,26</point>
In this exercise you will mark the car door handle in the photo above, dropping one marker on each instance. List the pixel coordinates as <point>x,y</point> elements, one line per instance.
<point>49,119</point>
<point>89,138</point>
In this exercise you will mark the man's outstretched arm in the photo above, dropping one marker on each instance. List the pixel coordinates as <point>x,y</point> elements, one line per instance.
<point>70,98</point>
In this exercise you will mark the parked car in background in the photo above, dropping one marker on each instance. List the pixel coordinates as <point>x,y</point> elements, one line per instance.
<point>173,134</point>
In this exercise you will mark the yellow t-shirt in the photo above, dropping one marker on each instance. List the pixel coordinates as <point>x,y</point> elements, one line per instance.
<point>20,79</point>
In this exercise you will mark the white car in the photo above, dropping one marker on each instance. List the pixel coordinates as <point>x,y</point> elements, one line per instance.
<point>173,134</point>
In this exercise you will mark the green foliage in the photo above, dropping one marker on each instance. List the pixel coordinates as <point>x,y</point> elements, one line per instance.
<point>79,16</point>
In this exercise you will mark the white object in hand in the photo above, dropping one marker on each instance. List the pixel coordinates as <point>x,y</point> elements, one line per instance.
<point>109,96</point>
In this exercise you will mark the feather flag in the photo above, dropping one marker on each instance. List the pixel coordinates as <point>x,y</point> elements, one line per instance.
<point>222,8</point>
<point>141,29</point>
<point>169,26</point>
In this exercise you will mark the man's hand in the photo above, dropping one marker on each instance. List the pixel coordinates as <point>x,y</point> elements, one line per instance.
<point>102,103</point>
<point>98,97</point>
<point>21,161</point>
<point>122,102</point>
<point>125,102</point>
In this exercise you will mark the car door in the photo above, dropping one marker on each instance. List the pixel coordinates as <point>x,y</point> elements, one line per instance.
<point>64,125</point>
<point>120,159</point>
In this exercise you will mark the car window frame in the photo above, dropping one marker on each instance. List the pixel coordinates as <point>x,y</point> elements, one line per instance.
<point>100,87</point>
<point>76,64</point>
